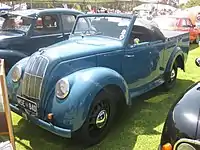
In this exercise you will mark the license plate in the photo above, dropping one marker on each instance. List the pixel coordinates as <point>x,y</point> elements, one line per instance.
<point>27,104</point>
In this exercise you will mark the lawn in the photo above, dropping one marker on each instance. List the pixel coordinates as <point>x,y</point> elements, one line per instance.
<point>139,127</point>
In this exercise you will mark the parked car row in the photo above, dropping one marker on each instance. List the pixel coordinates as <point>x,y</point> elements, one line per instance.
<point>178,23</point>
<point>70,72</point>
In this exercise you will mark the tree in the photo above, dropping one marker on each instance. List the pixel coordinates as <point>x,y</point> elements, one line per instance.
<point>192,3</point>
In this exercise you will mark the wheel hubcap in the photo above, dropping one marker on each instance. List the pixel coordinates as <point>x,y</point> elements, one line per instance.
<point>101,119</point>
<point>172,75</point>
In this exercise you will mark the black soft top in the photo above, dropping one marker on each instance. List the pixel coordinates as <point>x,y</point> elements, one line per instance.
<point>149,25</point>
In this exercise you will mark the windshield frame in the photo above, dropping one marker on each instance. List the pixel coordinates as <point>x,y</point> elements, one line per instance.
<point>125,16</point>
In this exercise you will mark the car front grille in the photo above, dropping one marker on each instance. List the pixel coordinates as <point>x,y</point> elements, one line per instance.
<point>33,77</point>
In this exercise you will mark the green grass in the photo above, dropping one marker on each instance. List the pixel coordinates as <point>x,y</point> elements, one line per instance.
<point>139,127</point>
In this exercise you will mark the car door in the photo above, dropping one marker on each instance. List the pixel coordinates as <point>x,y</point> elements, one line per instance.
<point>46,31</point>
<point>136,66</point>
<point>157,53</point>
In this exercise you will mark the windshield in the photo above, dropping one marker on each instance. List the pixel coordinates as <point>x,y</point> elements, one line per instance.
<point>166,23</point>
<point>114,27</point>
<point>16,22</point>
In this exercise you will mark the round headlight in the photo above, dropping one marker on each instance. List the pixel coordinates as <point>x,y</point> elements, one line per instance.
<point>62,88</point>
<point>185,146</point>
<point>16,73</point>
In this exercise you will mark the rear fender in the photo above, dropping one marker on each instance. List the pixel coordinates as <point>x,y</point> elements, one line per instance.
<point>84,86</point>
<point>175,54</point>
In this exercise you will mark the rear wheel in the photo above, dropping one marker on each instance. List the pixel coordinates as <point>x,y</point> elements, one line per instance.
<point>99,119</point>
<point>170,77</point>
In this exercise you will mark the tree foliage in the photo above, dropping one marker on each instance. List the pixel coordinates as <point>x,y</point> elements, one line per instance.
<point>192,3</point>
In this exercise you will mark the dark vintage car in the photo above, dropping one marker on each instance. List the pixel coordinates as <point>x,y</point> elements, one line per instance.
<point>181,130</point>
<point>76,87</point>
<point>24,32</point>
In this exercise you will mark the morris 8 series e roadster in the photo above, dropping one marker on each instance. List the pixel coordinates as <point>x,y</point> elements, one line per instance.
<point>24,32</point>
<point>181,130</point>
<point>74,88</point>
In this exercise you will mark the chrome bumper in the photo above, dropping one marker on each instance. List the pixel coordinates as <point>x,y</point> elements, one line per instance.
<point>43,124</point>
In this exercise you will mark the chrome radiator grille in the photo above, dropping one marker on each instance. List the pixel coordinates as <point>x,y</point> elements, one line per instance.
<point>33,76</point>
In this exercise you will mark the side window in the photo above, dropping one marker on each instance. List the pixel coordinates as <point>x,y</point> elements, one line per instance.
<point>47,24</point>
<point>68,22</point>
<point>184,23</point>
<point>142,34</point>
<point>82,24</point>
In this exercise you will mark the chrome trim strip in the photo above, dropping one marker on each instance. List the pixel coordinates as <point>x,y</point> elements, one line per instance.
<point>44,73</point>
<point>29,83</point>
<point>34,92</point>
<point>184,140</point>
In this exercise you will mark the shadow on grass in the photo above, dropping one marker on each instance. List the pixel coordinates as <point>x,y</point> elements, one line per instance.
<point>193,46</point>
<point>148,111</point>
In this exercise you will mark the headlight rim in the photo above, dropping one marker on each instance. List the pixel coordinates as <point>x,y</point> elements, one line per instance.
<point>62,97</point>
<point>187,144</point>
<point>20,71</point>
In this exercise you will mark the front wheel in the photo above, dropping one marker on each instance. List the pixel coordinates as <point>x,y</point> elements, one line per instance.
<point>170,78</point>
<point>99,119</point>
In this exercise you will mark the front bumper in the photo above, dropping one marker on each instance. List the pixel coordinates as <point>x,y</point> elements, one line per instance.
<point>43,124</point>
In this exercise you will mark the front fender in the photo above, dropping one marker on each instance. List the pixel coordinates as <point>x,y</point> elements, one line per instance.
<point>183,117</point>
<point>11,57</point>
<point>176,52</point>
<point>84,86</point>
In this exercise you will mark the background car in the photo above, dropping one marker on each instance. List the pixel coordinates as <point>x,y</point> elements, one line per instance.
<point>178,23</point>
<point>24,32</point>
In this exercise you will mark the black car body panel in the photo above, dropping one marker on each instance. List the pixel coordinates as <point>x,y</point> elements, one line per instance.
<point>183,117</point>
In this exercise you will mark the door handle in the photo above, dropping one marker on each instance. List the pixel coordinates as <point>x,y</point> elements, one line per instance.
<point>129,56</point>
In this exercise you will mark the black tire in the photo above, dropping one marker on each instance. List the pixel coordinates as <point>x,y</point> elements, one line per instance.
<point>92,133</point>
<point>170,78</point>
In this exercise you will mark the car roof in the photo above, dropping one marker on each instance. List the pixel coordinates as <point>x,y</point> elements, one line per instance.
<point>109,15</point>
<point>34,12</point>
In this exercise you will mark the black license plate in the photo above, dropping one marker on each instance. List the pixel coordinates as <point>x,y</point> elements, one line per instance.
<point>27,104</point>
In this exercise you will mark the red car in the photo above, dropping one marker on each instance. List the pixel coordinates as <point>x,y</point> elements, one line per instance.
<point>178,23</point>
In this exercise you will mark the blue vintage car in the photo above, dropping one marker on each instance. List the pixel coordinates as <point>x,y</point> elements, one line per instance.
<point>75,88</point>
<point>24,32</point>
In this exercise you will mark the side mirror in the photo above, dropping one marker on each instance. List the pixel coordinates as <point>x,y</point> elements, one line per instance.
<point>197,62</point>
